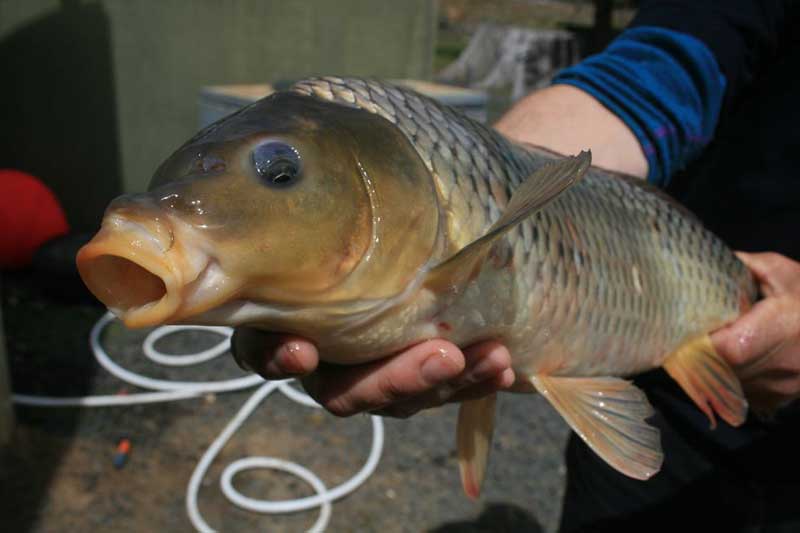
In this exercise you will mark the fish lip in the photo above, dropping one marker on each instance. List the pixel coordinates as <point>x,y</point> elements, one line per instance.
<point>146,248</point>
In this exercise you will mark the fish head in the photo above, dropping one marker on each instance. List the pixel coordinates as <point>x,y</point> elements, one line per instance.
<point>291,203</point>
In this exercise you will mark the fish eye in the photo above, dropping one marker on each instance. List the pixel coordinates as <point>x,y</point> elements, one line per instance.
<point>277,163</point>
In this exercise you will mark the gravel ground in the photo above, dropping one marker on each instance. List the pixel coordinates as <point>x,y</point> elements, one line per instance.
<point>58,473</point>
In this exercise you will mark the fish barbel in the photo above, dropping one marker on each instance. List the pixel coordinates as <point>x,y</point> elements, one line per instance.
<point>367,218</point>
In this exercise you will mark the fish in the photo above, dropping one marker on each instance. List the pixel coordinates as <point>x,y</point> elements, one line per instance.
<point>367,218</point>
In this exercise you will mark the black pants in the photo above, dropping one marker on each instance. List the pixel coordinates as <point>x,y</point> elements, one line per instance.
<point>730,480</point>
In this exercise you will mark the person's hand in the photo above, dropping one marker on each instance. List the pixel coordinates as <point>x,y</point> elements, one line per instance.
<point>426,375</point>
<point>763,345</point>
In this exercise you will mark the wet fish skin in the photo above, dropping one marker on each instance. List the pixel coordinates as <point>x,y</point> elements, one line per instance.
<point>411,221</point>
<point>611,278</point>
<point>304,256</point>
<point>613,268</point>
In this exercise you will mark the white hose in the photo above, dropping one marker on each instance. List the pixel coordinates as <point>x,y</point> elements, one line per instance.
<point>189,359</point>
<point>179,390</point>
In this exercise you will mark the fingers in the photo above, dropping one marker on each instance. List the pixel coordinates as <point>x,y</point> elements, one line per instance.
<point>348,390</point>
<point>763,345</point>
<point>775,272</point>
<point>273,356</point>
<point>438,397</point>
<point>500,382</point>
<point>772,390</point>
<point>426,375</point>
<point>758,333</point>
<point>487,370</point>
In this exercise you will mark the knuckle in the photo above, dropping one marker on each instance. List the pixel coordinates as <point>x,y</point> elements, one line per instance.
<point>339,406</point>
<point>789,388</point>
<point>389,390</point>
<point>336,403</point>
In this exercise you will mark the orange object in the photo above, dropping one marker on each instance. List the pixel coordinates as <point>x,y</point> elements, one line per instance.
<point>122,453</point>
<point>124,446</point>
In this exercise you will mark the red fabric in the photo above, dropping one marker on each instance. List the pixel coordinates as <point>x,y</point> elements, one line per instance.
<point>30,215</point>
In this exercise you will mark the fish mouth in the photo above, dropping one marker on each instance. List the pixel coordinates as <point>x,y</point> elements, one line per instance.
<point>137,269</point>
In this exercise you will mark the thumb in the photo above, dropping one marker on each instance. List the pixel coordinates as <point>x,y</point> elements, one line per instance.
<point>775,273</point>
<point>747,343</point>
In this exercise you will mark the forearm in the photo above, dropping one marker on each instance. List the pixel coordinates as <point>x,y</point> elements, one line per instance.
<point>566,120</point>
<point>647,105</point>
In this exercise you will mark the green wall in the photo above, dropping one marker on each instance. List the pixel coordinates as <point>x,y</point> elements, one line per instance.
<point>102,91</point>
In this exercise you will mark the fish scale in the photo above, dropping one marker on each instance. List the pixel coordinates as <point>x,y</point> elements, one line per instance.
<point>367,218</point>
<point>433,130</point>
<point>613,217</point>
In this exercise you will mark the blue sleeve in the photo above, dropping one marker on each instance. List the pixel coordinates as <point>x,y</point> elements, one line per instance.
<point>743,35</point>
<point>665,85</point>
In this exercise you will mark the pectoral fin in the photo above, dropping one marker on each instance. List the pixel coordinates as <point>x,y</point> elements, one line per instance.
<point>708,380</point>
<point>609,415</point>
<point>536,191</point>
<point>474,440</point>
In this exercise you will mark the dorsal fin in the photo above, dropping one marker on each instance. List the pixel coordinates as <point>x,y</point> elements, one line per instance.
<point>536,191</point>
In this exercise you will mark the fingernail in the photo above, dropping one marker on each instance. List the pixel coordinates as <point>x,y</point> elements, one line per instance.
<point>292,347</point>
<point>287,354</point>
<point>439,367</point>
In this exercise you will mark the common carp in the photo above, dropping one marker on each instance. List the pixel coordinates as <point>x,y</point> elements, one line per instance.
<point>366,218</point>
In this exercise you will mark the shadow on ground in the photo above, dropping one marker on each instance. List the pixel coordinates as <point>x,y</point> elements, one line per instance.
<point>48,355</point>
<point>495,518</point>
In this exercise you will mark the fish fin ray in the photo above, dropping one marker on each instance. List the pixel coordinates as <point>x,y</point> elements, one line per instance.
<point>708,380</point>
<point>536,191</point>
<point>609,415</point>
<point>474,441</point>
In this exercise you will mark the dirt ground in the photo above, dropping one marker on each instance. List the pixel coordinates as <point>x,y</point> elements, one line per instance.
<point>58,473</point>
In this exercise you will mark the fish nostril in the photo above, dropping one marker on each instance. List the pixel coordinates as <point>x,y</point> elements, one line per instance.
<point>208,163</point>
<point>213,163</point>
<point>192,207</point>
